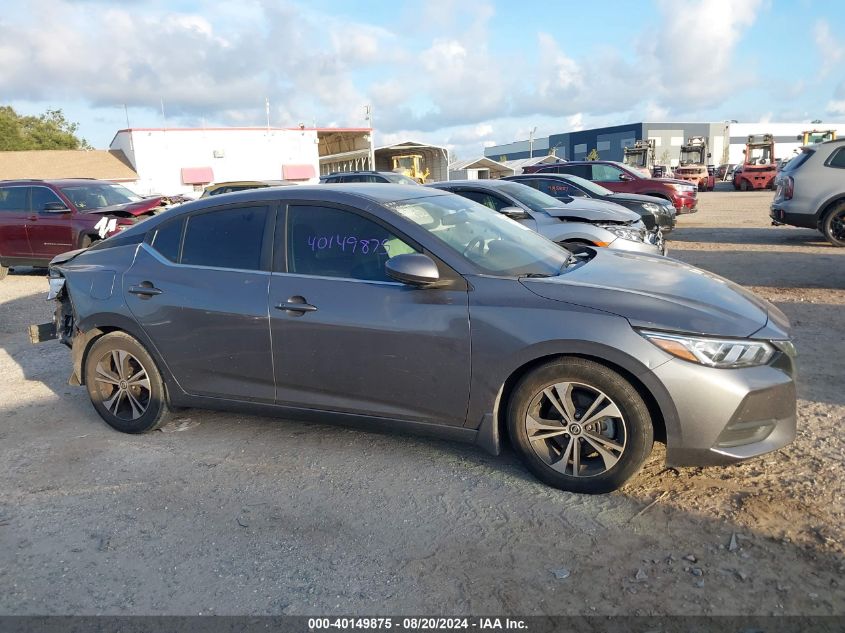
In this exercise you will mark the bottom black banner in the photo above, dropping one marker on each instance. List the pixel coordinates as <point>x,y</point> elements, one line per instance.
<point>415,624</point>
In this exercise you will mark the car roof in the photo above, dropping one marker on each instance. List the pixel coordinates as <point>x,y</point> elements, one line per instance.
<point>484,184</point>
<point>237,183</point>
<point>58,182</point>
<point>376,192</point>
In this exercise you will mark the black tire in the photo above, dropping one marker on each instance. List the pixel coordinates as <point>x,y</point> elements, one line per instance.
<point>833,225</point>
<point>115,363</point>
<point>743,185</point>
<point>632,431</point>
<point>4,270</point>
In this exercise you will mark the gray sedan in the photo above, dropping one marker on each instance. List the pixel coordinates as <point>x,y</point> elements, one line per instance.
<point>576,221</point>
<point>402,307</point>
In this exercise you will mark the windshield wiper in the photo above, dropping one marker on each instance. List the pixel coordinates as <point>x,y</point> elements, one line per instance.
<point>536,275</point>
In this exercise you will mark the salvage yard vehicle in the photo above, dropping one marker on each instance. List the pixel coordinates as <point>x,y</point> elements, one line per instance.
<point>242,185</point>
<point>622,179</point>
<point>412,308</point>
<point>640,157</point>
<point>654,212</point>
<point>758,169</point>
<point>692,167</point>
<point>811,137</point>
<point>811,191</point>
<point>40,219</point>
<point>367,176</point>
<point>410,165</point>
<point>571,223</point>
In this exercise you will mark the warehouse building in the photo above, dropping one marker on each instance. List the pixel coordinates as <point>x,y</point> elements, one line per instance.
<point>725,141</point>
<point>183,160</point>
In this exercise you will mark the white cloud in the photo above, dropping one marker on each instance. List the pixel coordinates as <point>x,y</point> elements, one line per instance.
<point>831,49</point>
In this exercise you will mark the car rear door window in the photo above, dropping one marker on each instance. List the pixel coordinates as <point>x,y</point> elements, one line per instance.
<point>566,168</point>
<point>329,242</point>
<point>13,198</point>
<point>167,238</point>
<point>42,196</point>
<point>837,159</point>
<point>226,238</point>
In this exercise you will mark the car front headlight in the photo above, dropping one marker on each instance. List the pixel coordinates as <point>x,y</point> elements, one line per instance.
<point>625,232</point>
<point>651,207</point>
<point>713,352</point>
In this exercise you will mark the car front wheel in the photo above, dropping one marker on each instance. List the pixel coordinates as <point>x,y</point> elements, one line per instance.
<point>124,384</point>
<point>579,426</point>
<point>833,225</point>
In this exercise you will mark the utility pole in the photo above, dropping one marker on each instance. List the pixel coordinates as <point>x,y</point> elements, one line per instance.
<point>531,142</point>
<point>267,112</point>
<point>368,116</point>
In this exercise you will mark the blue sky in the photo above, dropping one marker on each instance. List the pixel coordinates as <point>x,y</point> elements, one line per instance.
<point>454,73</point>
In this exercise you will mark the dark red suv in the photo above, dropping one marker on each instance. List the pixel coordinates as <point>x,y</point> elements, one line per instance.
<point>622,179</point>
<point>40,219</point>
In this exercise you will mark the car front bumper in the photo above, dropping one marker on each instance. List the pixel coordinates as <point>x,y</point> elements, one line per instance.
<point>728,415</point>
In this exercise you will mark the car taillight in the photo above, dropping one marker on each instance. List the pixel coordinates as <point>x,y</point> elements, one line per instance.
<point>789,189</point>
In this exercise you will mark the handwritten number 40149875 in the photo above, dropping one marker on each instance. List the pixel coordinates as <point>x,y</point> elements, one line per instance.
<point>351,243</point>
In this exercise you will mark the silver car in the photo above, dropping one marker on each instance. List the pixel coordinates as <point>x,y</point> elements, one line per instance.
<point>579,221</point>
<point>405,307</point>
<point>811,191</point>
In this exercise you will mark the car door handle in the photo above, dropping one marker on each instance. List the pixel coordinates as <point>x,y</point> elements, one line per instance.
<point>145,291</point>
<point>294,306</point>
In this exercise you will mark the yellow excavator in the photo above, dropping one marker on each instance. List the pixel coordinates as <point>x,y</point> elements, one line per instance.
<point>811,137</point>
<point>410,165</point>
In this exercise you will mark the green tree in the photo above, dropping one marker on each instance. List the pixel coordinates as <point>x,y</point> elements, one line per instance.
<point>50,130</point>
<point>593,155</point>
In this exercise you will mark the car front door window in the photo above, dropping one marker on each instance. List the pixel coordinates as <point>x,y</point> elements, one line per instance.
<point>606,173</point>
<point>329,242</point>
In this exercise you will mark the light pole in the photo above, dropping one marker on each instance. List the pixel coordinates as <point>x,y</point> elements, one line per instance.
<point>726,155</point>
<point>531,142</point>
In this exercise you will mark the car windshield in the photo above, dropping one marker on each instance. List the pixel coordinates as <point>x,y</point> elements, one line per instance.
<point>589,186</point>
<point>401,179</point>
<point>530,197</point>
<point>97,195</point>
<point>491,241</point>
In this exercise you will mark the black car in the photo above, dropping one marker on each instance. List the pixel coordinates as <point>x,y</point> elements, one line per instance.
<point>368,176</point>
<point>564,187</point>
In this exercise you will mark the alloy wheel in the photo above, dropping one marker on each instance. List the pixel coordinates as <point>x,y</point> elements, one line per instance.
<point>576,429</point>
<point>123,384</point>
<point>837,225</point>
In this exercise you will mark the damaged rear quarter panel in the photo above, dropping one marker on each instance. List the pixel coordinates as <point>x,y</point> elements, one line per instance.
<point>93,285</point>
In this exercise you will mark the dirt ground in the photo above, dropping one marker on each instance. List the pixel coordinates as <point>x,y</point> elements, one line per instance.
<point>232,514</point>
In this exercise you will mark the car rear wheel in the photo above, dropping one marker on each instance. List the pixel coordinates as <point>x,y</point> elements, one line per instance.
<point>833,225</point>
<point>579,426</point>
<point>124,384</point>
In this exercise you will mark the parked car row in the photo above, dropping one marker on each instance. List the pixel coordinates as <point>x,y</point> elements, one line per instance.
<point>417,308</point>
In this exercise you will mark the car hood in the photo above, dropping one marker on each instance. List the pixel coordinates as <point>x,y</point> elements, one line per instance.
<point>659,293</point>
<point>130,208</point>
<point>636,197</point>
<point>588,210</point>
<point>673,181</point>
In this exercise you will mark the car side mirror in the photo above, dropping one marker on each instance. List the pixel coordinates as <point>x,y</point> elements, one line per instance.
<point>514,213</point>
<point>625,177</point>
<point>414,269</point>
<point>55,207</point>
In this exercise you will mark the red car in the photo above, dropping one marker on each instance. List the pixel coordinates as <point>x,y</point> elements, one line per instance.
<point>624,179</point>
<point>40,219</point>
